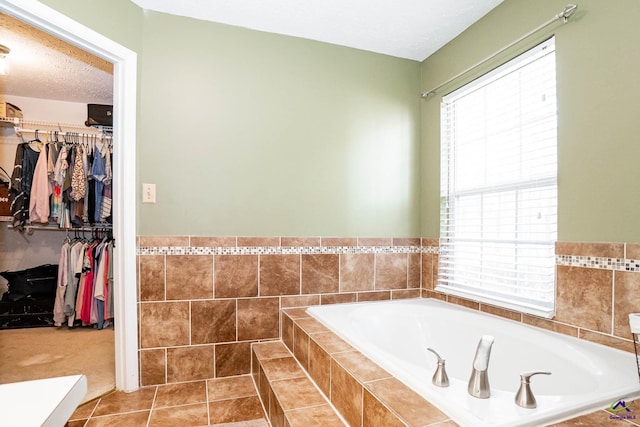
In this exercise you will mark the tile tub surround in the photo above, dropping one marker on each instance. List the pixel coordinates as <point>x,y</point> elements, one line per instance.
<point>597,286</point>
<point>364,393</point>
<point>202,301</point>
<point>209,298</point>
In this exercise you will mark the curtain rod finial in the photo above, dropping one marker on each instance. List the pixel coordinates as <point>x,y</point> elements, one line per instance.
<point>567,12</point>
<point>426,95</point>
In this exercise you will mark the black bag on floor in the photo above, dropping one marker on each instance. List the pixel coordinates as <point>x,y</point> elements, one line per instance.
<point>36,282</point>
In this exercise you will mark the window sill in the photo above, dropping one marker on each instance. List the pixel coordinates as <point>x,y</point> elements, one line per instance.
<point>543,312</point>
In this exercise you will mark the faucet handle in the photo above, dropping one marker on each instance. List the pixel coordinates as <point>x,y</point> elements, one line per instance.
<point>440,359</point>
<point>440,377</point>
<point>524,396</point>
<point>526,376</point>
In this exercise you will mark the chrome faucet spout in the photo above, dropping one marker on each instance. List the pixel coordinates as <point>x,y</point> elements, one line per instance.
<point>479,380</point>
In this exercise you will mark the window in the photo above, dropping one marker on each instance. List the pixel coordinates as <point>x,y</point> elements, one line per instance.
<point>499,185</point>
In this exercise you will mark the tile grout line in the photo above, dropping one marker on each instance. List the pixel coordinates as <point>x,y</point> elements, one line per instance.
<point>226,398</point>
<point>375,276</point>
<point>93,410</point>
<point>165,351</point>
<point>214,359</point>
<point>206,396</point>
<point>213,277</point>
<point>339,273</point>
<point>189,323</point>
<point>153,402</point>
<point>119,413</point>
<point>164,276</point>
<point>407,272</point>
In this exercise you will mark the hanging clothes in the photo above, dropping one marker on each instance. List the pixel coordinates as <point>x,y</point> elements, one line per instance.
<point>99,174</point>
<point>40,190</point>
<point>78,176</point>
<point>75,270</point>
<point>85,284</point>
<point>105,215</point>
<point>61,288</point>
<point>21,179</point>
<point>69,184</point>
<point>57,180</point>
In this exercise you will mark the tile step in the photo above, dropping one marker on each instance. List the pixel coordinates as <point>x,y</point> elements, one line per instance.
<point>290,398</point>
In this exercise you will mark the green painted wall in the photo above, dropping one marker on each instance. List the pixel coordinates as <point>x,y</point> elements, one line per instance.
<point>598,110</point>
<point>250,133</point>
<point>256,134</point>
<point>120,20</point>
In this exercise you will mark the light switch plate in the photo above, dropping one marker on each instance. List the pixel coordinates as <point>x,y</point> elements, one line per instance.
<point>148,193</point>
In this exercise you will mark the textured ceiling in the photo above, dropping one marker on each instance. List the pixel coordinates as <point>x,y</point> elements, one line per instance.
<point>42,66</point>
<point>412,29</point>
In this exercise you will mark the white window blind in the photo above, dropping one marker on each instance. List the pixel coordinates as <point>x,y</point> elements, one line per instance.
<point>498,222</point>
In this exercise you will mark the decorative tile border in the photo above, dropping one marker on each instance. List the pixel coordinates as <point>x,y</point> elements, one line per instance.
<point>614,264</point>
<point>601,263</point>
<point>435,250</point>
<point>282,250</point>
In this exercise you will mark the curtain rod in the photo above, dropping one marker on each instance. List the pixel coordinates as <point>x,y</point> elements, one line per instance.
<point>564,15</point>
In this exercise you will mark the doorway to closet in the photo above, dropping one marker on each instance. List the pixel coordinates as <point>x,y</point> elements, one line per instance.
<point>51,82</point>
<point>124,60</point>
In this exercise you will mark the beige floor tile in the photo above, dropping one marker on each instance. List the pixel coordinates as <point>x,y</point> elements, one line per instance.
<point>234,410</point>
<point>180,394</point>
<point>231,388</point>
<point>180,416</point>
<point>119,401</point>
<point>131,419</point>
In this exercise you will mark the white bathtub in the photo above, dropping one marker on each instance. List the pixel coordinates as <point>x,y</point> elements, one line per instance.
<point>395,334</point>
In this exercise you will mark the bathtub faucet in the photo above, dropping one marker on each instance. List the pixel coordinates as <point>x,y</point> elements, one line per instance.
<point>479,381</point>
<point>440,377</point>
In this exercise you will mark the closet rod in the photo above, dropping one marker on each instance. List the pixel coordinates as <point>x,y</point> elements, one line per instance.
<point>20,130</point>
<point>30,228</point>
<point>564,15</point>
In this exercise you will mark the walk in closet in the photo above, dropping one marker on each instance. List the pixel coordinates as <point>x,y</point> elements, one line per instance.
<point>59,163</point>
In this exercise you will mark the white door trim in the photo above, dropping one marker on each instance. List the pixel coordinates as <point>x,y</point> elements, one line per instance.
<point>124,168</point>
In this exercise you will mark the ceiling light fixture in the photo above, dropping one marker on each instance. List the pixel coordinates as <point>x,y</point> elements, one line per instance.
<point>4,65</point>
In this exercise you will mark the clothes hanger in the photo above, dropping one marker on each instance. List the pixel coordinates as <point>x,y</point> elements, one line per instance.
<point>35,144</point>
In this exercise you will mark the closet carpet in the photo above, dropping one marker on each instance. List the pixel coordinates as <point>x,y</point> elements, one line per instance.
<point>34,353</point>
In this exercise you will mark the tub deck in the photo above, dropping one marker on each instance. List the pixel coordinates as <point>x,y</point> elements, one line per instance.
<point>322,352</point>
